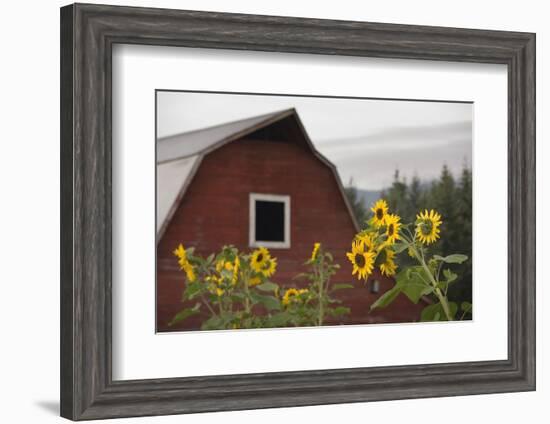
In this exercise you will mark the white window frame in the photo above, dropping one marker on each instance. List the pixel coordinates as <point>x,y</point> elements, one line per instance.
<point>252,220</point>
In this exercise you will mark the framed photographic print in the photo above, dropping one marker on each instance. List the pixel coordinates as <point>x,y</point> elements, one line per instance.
<point>264,212</point>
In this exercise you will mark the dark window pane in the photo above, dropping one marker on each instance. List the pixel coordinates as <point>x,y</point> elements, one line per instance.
<point>270,221</point>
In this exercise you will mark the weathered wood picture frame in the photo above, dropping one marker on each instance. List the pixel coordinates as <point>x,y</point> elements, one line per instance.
<point>88,33</point>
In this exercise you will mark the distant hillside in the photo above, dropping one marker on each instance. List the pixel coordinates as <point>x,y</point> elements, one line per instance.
<point>368,196</point>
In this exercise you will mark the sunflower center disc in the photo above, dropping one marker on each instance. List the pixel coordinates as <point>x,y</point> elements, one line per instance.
<point>427,228</point>
<point>360,260</point>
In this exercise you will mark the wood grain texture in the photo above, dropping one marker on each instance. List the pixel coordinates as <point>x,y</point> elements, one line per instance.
<point>66,212</point>
<point>88,33</point>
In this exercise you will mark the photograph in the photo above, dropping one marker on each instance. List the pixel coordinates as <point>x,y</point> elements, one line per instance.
<point>280,211</point>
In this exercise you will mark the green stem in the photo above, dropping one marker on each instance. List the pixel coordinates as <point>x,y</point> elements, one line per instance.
<point>247,293</point>
<point>410,235</point>
<point>321,306</point>
<point>439,270</point>
<point>437,291</point>
<point>420,256</point>
<point>207,303</point>
<point>444,304</point>
<point>220,304</point>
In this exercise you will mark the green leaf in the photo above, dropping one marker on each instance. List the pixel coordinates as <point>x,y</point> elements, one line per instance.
<point>239,297</point>
<point>339,311</point>
<point>413,283</point>
<point>449,278</point>
<point>386,298</point>
<point>268,286</point>
<point>400,247</point>
<point>192,290</point>
<point>452,259</point>
<point>220,322</point>
<point>415,289</point>
<point>407,273</point>
<point>213,323</point>
<point>184,314</point>
<point>431,312</point>
<point>278,320</point>
<point>228,275</point>
<point>449,275</point>
<point>453,308</point>
<point>442,285</point>
<point>435,312</point>
<point>341,286</point>
<point>466,307</point>
<point>271,303</point>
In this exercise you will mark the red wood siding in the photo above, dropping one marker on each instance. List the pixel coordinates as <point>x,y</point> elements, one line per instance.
<point>215,211</point>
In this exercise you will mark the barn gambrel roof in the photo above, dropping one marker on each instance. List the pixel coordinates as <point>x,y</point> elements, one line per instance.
<point>179,157</point>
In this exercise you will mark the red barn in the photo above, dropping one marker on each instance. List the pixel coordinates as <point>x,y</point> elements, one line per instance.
<point>257,181</point>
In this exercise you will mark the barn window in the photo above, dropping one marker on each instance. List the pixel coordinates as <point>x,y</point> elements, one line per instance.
<point>375,286</point>
<point>269,220</point>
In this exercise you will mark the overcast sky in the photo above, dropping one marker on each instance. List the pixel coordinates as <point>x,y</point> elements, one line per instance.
<point>366,139</point>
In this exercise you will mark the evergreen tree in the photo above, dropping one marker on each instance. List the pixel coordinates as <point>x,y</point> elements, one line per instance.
<point>443,199</point>
<point>453,200</point>
<point>416,197</point>
<point>397,197</point>
<point>462,290</point>
<point>356,202</point>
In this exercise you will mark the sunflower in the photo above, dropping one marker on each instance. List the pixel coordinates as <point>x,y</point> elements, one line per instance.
<point>289,294</point>
<point>180,252</point>
<point>190,272</point>
<point>362,260</point>
<point>380,210</point>
<point>427,226</point>
<point>236,267</point>
<point>386,262</point>
<point>228,269</point>
<point>254,281</point>
<point>259,259</point>
<point>214,284</point>
<point>369,239</point>
<point>184,263</point>
<point>221,265</point>
<point>315,251</point>
<point>392,228</point>
<point>292,295</point>
<point>269,268</point>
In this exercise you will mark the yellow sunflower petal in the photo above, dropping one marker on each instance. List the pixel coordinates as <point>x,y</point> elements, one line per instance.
<point>392,228</point>
<point>380,210</point>
<point>259,259</point>
<point>427,226</point>
<point>362,261</point>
